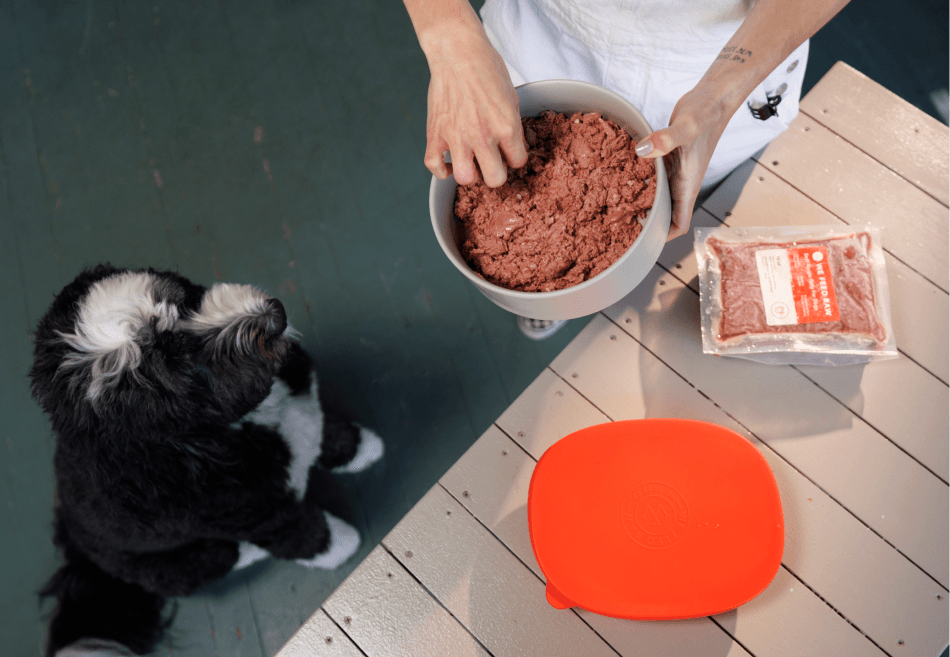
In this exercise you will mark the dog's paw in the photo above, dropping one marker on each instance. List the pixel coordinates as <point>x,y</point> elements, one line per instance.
<point>249,553</point>
<point>369,450</point>
<point>344,542</point>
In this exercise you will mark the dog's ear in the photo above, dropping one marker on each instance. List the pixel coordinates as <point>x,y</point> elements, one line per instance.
<point>49,350</point>
<point>237,318</point>
<point>244,339</point>
<point>61,314</point>
<point>107,357</point>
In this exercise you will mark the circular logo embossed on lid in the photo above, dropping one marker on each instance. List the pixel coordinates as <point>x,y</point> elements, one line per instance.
<point>654,515</point>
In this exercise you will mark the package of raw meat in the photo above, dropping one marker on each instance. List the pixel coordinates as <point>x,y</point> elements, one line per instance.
<point>801,295</point>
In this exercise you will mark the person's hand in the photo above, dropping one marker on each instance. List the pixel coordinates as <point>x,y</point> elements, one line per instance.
<point>686,147</point>
<point>472,111</point>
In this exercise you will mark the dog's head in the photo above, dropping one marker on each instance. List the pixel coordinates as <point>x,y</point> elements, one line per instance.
<point>151,353</point>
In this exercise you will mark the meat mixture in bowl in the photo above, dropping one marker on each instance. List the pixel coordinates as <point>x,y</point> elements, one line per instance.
<point>564,217</point>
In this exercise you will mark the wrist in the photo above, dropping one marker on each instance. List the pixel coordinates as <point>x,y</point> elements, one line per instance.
<point>728,83</point>
<point>452,42</point>
<point>442,26</point>
<point>731,86</point>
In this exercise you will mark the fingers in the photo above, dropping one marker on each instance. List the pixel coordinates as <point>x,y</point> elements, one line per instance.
<point>494,170</point>
<point>462,162</point>
<point>664,144</point>
<point>686,147</point>
<point>685,177</point>
<point>660,143</point>
<point>489,163</point>
<point>490,166</point>
<point>495,160</point>
<point>473,113</point>
<point>435,158</point>
<point>514,149</point>
<point>684,189</point>
<point>682,213</point>
<point>463,166</point>
<point>679,225</point>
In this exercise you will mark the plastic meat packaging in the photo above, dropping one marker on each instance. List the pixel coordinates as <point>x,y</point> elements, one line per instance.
<point>801,295</point>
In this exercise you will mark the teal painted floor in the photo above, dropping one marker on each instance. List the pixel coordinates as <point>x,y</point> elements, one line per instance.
<point>277,143</point>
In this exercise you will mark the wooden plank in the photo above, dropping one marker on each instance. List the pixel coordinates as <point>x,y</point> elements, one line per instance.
<point>696,636</point>
<point>29,212</point>
<point>887,394</point>
<point>183,147</point>
<point>863,112</point>
<point>860,190</point>
<point>923,435</point>
<point>234,629</point>
<point>279,608</point>
<point>93,146</point>
<point>491,480</point>
<point>28,266</point>
<point>193,631</point>
<point>778,616</point>
<point>837,557</point>
<point>826,546</point>
<point>856,465</point>
<point>755,196</point>
<point>677,256</point>
<point>385,611</point>
<point>320,636</point>
<point>545,412</point>
<point>26,463</point>
<point>493,594</point>
<point>877,589</point>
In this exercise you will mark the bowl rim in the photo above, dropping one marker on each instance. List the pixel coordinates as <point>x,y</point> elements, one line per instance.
<point>477,279</point>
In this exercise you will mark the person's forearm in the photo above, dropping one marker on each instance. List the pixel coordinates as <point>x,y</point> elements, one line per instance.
<point>472,105</point>
<point>442,23</point>
<point>770,33</point>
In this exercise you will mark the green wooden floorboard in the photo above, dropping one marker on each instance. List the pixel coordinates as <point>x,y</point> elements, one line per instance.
<point>276,143</point>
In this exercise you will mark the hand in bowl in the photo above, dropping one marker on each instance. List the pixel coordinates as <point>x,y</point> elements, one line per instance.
<point>472,105</point>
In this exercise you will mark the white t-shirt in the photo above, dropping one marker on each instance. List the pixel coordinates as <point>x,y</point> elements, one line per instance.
<point>651,52</point>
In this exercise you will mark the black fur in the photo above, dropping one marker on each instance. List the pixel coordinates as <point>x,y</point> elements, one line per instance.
<point>91,603</point>
<point>158,477</point>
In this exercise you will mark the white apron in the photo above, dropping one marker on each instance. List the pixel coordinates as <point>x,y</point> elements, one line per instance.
<point>651,52</point>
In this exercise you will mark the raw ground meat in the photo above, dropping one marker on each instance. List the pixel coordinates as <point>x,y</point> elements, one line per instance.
<point>567,215</point>
<point>743,310</point>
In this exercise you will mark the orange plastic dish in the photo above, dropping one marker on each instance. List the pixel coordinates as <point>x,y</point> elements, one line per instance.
<point>655,520</point>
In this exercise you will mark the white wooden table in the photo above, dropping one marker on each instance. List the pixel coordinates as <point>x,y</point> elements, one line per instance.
<point>860,453</point>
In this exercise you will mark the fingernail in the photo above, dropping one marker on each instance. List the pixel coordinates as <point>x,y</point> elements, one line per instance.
<point>645,147</point>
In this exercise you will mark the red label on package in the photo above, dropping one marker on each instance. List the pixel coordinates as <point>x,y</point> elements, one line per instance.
<point>796,285</point>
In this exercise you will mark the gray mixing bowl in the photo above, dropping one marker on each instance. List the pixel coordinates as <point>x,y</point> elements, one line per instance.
<point>615,282</point>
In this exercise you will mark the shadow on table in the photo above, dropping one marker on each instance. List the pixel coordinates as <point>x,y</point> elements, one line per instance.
<point>760,397</point>
<point>678,637</point>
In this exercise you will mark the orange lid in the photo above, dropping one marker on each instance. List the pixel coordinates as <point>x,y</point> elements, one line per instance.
<point>655,520</point>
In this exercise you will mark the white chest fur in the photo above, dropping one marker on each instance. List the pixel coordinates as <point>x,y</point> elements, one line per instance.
<point>299,419</point>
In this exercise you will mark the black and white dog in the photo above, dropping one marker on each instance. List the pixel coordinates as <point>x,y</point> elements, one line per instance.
<point>187,419</point>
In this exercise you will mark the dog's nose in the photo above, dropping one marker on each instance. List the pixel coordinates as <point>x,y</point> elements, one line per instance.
<point>274,317</point>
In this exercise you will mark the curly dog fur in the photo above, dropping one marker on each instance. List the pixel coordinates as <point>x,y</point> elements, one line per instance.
<point>187,419</point>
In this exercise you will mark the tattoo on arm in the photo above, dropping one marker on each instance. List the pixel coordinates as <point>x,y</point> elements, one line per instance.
<point>734,54</point>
